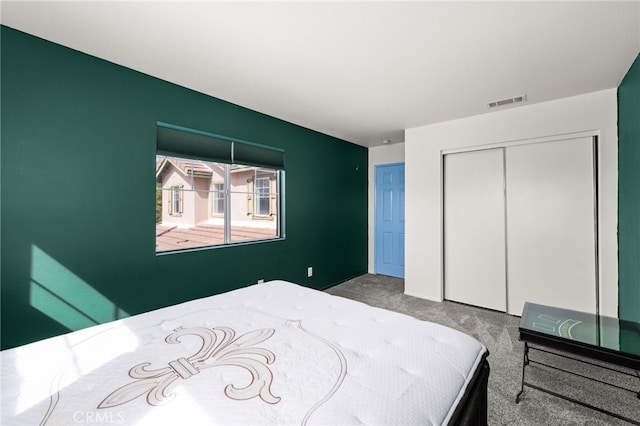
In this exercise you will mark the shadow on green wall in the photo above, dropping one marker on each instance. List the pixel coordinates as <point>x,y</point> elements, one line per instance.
<point>63,296</point>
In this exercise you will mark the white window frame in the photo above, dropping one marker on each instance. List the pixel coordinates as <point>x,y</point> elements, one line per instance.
<point>218,190</point>
<point>258,196</point>
<point>176,200</point>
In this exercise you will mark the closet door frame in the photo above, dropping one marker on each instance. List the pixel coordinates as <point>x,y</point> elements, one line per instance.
<point>595,135</point>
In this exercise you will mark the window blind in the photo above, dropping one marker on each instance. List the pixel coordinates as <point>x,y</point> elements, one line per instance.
<point>174,140</point>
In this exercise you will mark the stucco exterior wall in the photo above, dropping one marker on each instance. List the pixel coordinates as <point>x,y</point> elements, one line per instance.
<point>198,197</point>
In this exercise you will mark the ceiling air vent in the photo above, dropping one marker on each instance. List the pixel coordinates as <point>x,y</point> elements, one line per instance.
<point>509,101</point>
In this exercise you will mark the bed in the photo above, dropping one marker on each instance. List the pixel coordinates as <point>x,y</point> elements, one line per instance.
<point>270,353</point>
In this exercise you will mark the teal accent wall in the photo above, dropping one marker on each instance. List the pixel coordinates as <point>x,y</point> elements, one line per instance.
<point>78,148</point>
<point>629,194</point>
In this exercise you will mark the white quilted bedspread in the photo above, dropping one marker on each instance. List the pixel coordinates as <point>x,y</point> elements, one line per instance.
<point>272,353</point>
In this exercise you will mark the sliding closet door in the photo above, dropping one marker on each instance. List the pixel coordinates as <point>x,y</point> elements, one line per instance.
<point>474,227</point>
<point>551,225</point>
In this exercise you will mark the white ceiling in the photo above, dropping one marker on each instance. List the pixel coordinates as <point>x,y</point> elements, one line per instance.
<point>360,71</point>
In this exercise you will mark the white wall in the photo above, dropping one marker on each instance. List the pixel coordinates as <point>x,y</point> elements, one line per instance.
<point>385,154</point>
<point>594,113</point>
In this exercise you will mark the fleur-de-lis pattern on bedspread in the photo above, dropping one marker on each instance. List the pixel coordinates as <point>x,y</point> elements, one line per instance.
<point>219,347</point>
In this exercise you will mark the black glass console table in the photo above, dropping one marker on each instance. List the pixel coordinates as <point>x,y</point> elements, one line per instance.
<point>581,337</point>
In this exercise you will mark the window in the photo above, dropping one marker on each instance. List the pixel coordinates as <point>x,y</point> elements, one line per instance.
<point>262,196</point>
<point>214,191</point>
<point>218,199</point>
<point>175,200</point>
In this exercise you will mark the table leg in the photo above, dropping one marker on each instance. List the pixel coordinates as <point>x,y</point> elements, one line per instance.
<point>525,362</point>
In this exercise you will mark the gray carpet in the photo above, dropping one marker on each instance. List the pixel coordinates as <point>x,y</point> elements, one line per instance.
<point>499,333</point>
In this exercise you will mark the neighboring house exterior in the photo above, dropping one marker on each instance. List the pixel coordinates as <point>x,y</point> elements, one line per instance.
<point>193,193</point>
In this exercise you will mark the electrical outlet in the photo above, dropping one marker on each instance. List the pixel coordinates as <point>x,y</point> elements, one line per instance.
<point>310,271</point>
<point>260,281</point>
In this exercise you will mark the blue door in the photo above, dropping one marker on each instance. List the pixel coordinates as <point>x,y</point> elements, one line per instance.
<point>389,220</point>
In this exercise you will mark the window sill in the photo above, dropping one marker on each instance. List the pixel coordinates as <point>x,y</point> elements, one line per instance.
<point>220,246</point>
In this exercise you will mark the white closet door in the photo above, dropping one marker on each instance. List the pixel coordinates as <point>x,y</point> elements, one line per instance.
<point>474,227</point>
<point>551,225</point>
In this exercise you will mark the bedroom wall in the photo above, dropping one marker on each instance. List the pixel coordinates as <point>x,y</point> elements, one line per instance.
<point>78,193</point>
<point>629,193</point>
<point>385,154</point>
<point>423,145</point>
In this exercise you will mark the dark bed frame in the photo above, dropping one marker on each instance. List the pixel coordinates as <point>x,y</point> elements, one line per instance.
<point>472,409</point>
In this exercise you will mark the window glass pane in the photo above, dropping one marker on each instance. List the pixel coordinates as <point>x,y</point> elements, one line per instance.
<point>198,203</point>
<point>247,226</point>
<point>176,195</point>
<point>218,199</point>
<point>262,196</point>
